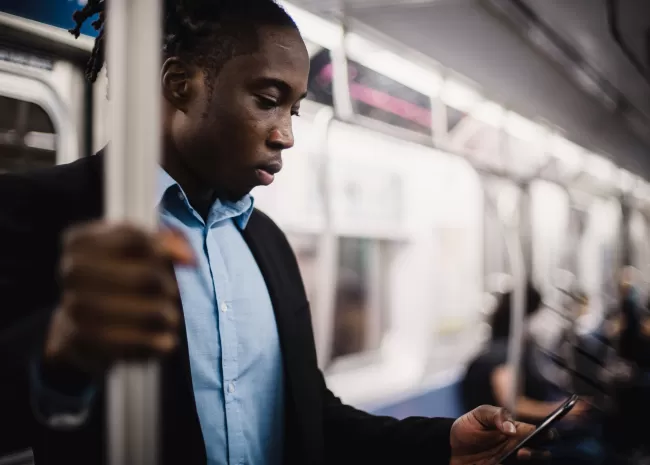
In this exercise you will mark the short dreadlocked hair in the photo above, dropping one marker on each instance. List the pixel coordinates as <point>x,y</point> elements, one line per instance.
<point>205,32</point>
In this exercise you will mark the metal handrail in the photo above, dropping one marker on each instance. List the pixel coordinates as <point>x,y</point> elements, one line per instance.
<point>134,37</point>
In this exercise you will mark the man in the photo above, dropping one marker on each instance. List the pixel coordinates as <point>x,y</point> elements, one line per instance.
<point>220,300</point>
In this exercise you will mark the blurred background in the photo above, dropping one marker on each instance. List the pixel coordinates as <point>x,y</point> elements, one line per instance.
<point>439,138</point>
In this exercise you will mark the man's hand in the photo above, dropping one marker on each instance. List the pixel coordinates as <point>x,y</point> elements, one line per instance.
<point>119,299</point>
<point>483,435</point>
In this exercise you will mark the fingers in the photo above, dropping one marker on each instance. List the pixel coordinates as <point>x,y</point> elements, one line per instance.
<point>504,422</point>
<point>173,245</point>
<point>155,314</point>
<point>113,275</point>
<point>96,350</point>
<point>127,241</point>
<point>491,417</point>
<point>533,456</point>
<point>122,240</point>
<point>120,300</point>
<point>487,415</point>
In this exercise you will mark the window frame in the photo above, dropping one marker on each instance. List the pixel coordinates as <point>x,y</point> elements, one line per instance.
<point>32,86</point>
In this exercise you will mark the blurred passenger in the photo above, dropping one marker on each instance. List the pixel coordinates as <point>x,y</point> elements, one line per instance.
<point>349,316</point>
<point>220,302</point>
<point>488,378</point>
<point>629,370</point>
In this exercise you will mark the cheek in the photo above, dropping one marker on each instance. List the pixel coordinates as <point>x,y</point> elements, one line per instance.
<point>243,132</point>
<point>183,132</point>
<point>194,139</point>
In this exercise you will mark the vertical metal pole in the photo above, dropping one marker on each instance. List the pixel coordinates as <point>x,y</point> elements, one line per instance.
<point>134,39</point>
<point>516,246</point>
<point>516,260</point>
<point>328,243</point>
<point>343,105</point>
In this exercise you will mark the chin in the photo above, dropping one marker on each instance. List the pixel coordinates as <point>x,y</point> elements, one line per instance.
<point>237,193</point>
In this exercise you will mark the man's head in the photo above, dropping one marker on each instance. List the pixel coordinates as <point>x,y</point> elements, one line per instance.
<point>233,75</point>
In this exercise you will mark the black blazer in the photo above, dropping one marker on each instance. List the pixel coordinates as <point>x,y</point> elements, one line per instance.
<point>35,208</point>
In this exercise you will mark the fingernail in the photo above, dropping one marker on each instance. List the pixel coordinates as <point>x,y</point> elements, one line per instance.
<point>510,427</point>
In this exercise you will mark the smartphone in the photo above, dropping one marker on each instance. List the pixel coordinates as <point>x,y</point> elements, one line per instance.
<point>549,421</point>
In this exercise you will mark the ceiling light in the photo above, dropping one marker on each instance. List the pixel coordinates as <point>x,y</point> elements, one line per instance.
<point>570,154</point>
<point>314,28</point>
<point>459,96</point>
<point>599,167</point>
<point>489,113</point>
<point>627,181</point>
<point>522,128</point>
<point>391,65</point>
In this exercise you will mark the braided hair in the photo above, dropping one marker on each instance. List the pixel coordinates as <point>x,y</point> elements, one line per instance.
<point>205,32</point>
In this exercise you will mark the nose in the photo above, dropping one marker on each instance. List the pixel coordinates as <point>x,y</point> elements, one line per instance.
<point>281,137</point>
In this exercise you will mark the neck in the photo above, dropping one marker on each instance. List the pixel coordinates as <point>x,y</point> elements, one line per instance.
<point>200,197</point>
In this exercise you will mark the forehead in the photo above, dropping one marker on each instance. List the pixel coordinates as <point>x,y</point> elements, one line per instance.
<point>281,53</point>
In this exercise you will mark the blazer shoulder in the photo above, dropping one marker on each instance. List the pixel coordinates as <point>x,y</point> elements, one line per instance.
<point>51,193</point>
<point>260,221</point>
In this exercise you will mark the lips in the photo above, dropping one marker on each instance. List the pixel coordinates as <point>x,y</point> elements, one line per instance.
<point>266,172</point>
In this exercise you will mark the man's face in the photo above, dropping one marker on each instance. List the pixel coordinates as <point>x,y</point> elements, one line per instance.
<point>230,137</point>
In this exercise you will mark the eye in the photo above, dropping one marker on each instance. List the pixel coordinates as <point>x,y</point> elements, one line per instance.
<point>295,112</point>
<point>266,103</point>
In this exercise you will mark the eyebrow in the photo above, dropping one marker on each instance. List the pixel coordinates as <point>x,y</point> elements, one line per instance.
<point>283,86</point>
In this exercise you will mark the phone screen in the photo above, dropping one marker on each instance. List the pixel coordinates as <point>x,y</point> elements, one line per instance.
<point>549,421</point>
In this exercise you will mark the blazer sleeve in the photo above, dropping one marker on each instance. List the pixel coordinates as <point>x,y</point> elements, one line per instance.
<point>33,211</point>
<point>353,436</point>
<point>24,302</point>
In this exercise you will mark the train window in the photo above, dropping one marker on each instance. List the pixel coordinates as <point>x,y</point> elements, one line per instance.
<point>523,157</point>
<point>550,222</point>
<point>454,117</point>
<point>305,247</point>
<point>381,98</point>
<point>598,259</point>
<point>357,305</point>
<point>27,136</point>
<point>640,247</point>
<point>319,86</point>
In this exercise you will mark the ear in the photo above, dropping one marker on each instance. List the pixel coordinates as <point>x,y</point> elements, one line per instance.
<point>176,81</point>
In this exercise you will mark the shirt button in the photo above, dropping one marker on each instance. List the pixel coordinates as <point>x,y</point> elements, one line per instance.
<point>231,388</point>
<point>224,307</point>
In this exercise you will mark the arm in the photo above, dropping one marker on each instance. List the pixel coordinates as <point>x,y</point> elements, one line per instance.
<point>16,343</point>
<point>31,393</point>
<point>527,408</point>
<point>354,437</point>
<point>28,293</point>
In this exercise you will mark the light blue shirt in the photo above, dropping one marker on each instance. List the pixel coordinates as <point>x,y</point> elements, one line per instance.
<point>234,348</point>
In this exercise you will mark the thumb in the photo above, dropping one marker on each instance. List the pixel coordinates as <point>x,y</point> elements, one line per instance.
<point>174,246</point>
<point>504,422</point>
<point>492,418</point>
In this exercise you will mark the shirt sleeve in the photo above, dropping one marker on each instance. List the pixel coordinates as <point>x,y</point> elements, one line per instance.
<point>57,409</point>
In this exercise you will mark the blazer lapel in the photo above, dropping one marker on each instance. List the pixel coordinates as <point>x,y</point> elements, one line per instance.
<point>285,304</point>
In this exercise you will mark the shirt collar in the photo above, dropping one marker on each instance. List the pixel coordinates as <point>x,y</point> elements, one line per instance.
<point>240,211</point>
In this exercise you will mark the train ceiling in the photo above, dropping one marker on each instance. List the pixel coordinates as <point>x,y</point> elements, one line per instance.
<point>569,69</point>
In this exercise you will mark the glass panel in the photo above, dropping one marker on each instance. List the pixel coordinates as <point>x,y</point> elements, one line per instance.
<point>27,138</point>
<point>352,306</point>
<point>306,249</point>
<point>454,117</point>
<point>379,97</point>
<point>319,86</point>
<point>38,120</point>
<point>8,112</point>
